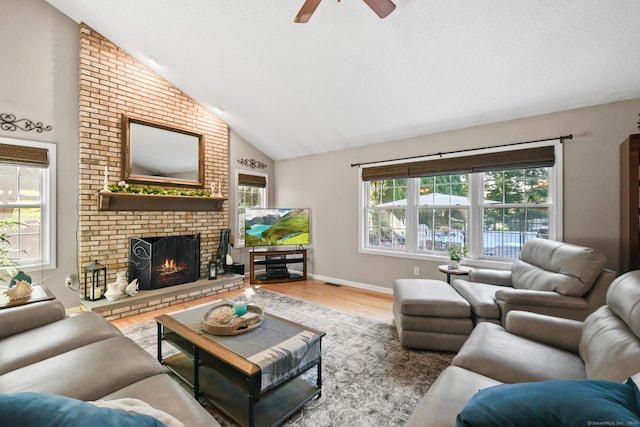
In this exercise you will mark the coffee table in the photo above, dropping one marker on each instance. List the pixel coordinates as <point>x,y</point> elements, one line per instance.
<point>254,378</point>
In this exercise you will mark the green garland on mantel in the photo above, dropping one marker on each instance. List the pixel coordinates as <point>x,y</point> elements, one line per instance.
<point>131,189</point>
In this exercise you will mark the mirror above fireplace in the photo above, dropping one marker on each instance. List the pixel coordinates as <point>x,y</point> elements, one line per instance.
<point>154,153</point>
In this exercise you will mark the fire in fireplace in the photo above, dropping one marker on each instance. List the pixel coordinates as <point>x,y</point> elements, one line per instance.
<point>159,262</point>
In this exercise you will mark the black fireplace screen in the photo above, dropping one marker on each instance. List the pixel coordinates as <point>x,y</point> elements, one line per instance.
<point>159,262</point>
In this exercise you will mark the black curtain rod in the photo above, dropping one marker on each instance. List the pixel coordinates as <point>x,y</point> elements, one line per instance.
<point>561,138</point>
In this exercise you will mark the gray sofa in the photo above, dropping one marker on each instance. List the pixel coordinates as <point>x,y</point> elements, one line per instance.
<point>533,348</point>
<point>554,278</point>
<point>84,357</point>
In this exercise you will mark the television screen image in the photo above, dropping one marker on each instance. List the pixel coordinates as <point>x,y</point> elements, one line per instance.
<point>276,227</point>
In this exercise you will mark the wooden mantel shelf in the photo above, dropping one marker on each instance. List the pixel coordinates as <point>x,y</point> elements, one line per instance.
<point>156,202</point>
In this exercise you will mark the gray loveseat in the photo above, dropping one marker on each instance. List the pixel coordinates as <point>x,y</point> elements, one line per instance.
<point>534,348</point>
<point>84,357</point>
<point>554,278</point>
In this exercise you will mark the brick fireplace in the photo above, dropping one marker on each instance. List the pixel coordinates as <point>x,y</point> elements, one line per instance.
<point>113,83</point>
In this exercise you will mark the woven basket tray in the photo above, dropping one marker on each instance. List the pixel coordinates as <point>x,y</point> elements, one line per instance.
<point>245,323</point>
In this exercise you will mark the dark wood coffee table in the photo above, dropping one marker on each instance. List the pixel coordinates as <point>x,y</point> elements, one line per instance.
<point>254,378</point>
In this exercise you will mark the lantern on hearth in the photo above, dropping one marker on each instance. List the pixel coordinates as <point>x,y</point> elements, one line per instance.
<point>213,269</point>
<point>95,281</point>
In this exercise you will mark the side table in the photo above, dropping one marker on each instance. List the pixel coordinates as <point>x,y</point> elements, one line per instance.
<point>448,270</point>
<point>39,293</point>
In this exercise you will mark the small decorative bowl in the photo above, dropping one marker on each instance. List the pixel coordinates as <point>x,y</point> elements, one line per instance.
<point>236,325</point>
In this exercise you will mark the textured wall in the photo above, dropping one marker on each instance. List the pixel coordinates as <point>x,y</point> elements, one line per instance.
<point>112,83</point>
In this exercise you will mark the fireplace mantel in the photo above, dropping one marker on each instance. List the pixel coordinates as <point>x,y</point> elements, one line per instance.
<point>113,201</point>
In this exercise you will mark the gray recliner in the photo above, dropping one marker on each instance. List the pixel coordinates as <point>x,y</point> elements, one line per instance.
<point>553,278</point>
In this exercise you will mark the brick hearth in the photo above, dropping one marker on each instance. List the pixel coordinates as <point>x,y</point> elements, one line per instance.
<point>145,301</point>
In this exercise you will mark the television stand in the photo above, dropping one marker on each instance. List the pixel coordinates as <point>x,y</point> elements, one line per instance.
<point>275,265</point>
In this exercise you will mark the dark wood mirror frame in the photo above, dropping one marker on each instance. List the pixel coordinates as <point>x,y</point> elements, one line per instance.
<point>165,148</point>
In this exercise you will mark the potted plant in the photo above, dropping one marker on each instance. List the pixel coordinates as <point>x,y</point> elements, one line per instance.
<point>456,253</point>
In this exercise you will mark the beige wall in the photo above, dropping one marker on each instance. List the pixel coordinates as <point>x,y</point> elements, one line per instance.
<point>239,148</point>
<point>39,81</point>
<point>329,186</point>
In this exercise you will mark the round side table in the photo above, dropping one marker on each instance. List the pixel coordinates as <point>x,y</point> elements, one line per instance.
<point>448,270</point>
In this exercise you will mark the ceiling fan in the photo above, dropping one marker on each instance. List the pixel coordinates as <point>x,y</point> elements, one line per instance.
<point>382,8</point>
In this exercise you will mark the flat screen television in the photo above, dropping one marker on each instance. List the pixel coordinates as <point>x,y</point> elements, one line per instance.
<point>276,227</point>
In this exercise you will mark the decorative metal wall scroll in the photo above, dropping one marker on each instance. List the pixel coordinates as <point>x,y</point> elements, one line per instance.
<point>252,163</point>
<point>9,122</point>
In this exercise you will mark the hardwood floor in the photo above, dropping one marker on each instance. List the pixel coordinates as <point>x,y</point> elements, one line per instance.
<point>366,303</point>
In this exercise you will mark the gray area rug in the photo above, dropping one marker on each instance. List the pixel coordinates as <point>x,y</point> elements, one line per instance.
<point>368,378</point>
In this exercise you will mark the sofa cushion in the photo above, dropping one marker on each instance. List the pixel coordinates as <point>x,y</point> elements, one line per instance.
<point>547,265</point>
<point>481,297</point>
<point>623,297</point>
<point>52,339</point>
<point>423,297</point>
<point>447,396</point>
<point>610,350</point>
<point>492,351</point>
<point>557,403</point>
<point>85,373</point>
<point>163,393</point>
<point>36,409</point>
<point>29,316</point>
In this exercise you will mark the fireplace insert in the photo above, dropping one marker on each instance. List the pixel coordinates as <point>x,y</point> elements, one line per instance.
<point>159,262</point>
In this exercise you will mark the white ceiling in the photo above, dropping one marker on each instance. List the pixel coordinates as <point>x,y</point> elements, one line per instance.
<point>348,78</point>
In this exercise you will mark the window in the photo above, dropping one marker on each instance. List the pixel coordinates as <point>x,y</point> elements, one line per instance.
<point>488,203</point>
<point>252,193</point>
<point>27,186</point>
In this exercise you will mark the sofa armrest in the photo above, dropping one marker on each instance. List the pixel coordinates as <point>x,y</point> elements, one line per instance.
<point>534,298</point>
<point>554,331</point>
<point>22,318</point>
<point>493,277</point>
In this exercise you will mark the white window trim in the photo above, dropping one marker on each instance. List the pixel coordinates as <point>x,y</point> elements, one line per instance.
<point>475,222</point>
<point>264,199</point>
<point>48,212</point>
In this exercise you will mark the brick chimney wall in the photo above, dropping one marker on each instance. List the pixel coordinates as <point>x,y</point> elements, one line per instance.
<point>111,83</point>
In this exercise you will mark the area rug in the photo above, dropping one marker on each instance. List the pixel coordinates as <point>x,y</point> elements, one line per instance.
<point>368,378</point>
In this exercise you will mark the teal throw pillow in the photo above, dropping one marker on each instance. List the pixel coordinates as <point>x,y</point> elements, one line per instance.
<point>49,410</point>
<point>554,403</point>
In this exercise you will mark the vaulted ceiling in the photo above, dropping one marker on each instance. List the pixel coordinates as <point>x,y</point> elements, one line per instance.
<point>348,78</point>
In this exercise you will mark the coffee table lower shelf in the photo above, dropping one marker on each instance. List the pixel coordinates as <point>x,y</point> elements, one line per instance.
<point>271,410</point>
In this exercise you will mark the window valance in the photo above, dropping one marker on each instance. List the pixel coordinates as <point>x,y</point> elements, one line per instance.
<point>29,156</point>
<point>503,160</point>
<point>252,180</point>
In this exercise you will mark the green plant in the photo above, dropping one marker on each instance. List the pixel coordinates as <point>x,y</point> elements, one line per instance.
<point>125,188</point>
<point>7,265</point>
<point>456,252</point>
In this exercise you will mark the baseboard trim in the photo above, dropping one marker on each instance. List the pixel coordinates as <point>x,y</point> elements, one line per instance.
<point>353,284</point>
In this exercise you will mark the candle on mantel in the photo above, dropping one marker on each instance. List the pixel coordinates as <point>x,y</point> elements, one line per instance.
<point>105,187</point>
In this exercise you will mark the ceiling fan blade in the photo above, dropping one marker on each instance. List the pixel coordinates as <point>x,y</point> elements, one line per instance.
<point>382,8</point>
<point>306,11</point>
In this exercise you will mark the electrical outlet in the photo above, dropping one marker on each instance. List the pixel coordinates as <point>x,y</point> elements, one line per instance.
<point>416,271</point>
<point>68,281</point>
